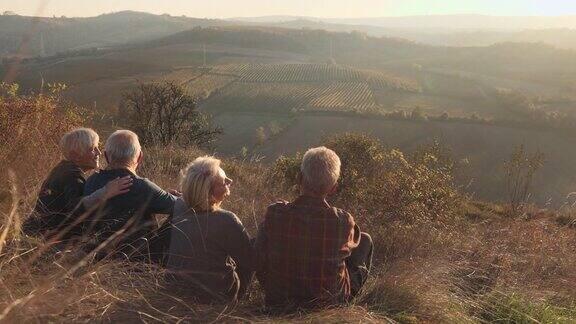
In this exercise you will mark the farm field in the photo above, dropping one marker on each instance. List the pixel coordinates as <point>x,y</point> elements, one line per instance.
<point>294,87</point>
<point>192,54</point>
<point>293,97</point>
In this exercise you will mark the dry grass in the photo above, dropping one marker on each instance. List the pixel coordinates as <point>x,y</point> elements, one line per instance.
<point>472,263</point>
<point>464,272</point>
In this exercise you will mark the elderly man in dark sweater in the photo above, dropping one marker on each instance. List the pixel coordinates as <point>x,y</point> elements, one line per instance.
<point>126,222</point>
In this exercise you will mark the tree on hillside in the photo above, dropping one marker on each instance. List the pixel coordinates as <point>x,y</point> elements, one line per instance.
<point>520,170</point>
<point>260,135</point>
<point>163,113</point>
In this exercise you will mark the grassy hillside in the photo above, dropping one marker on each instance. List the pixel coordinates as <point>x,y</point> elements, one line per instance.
<point>439,256</point>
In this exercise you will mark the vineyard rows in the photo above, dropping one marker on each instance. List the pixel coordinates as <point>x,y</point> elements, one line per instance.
<point>288,97</point>
<point>345,96</point>
<point>291,87</point>
<point>181,76</point>
<point>313,73</point>
<point>300,73</point>
<point>207,85</point>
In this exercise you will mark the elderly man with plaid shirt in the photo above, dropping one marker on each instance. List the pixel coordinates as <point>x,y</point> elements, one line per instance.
<point>311,254</point>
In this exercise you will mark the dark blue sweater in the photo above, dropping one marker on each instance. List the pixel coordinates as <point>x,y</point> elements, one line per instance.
<point>132,210</point>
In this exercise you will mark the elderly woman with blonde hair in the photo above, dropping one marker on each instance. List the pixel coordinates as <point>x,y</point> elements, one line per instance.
<point>210,251</point>
<point>61,198</point>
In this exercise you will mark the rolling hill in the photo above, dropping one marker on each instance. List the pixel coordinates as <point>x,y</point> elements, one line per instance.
<point>276,90</point>
<point>457,21</point>
<point>455,30</point>
<point>32,36</point>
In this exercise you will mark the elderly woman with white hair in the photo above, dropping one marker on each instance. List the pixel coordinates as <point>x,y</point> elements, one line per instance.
<point>210,250</point>
<point>61,197</point>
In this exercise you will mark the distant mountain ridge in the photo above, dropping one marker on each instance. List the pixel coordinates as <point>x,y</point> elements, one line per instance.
<point>558,34</point>
<point>43,36</point>
<point>47,36</point>
<point>451,22</point>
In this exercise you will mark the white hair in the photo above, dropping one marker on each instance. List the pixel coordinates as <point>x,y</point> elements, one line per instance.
<point>196,182</point>
<point>122,147</point>
<point>78,141</point>
<point>320,169</point>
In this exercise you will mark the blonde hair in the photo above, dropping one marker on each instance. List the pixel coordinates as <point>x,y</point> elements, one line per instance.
<point>122,147</point>
<point>320,169</point>
<point>78,141</point>
<point>196,183</point>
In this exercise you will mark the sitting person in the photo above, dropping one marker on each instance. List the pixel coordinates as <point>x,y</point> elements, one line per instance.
<point>210,251</point>
<point>61,194</point>
<point>309,253</point>
<point>130,217</point>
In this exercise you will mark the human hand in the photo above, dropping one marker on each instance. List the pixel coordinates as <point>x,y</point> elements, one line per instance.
<point>117,187</point>
<point>175,192</point>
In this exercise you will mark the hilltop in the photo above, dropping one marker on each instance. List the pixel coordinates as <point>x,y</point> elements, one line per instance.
<point>46,36</point>
<point>446,22</point>
<point>440,255</point>
<point>50,35</point>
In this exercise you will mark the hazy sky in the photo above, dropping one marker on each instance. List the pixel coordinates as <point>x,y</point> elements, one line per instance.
<point>318,8</point>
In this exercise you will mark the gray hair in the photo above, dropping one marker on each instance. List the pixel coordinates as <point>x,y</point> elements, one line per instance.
<point>122,147</point>
<point>320,169</point>
<point>78,141</point>
<point>196,183</point>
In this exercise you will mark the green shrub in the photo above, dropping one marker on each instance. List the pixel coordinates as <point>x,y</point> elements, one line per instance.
<point>381,183</point>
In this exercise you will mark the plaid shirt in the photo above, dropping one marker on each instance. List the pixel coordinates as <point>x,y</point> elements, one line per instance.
<point>301,250</point>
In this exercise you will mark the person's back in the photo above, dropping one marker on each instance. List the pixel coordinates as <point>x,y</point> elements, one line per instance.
<point>210,250</point>
<point>62,191</point>
<point>306,244</point>
<point>309,253</point>
<point>207,251</point>
<point>127,220</point>
<point>59,195</point>
<point>133,209</point>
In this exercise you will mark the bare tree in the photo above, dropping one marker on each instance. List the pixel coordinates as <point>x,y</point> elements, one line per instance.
<point>163,113</point>
<point>520,170</point>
